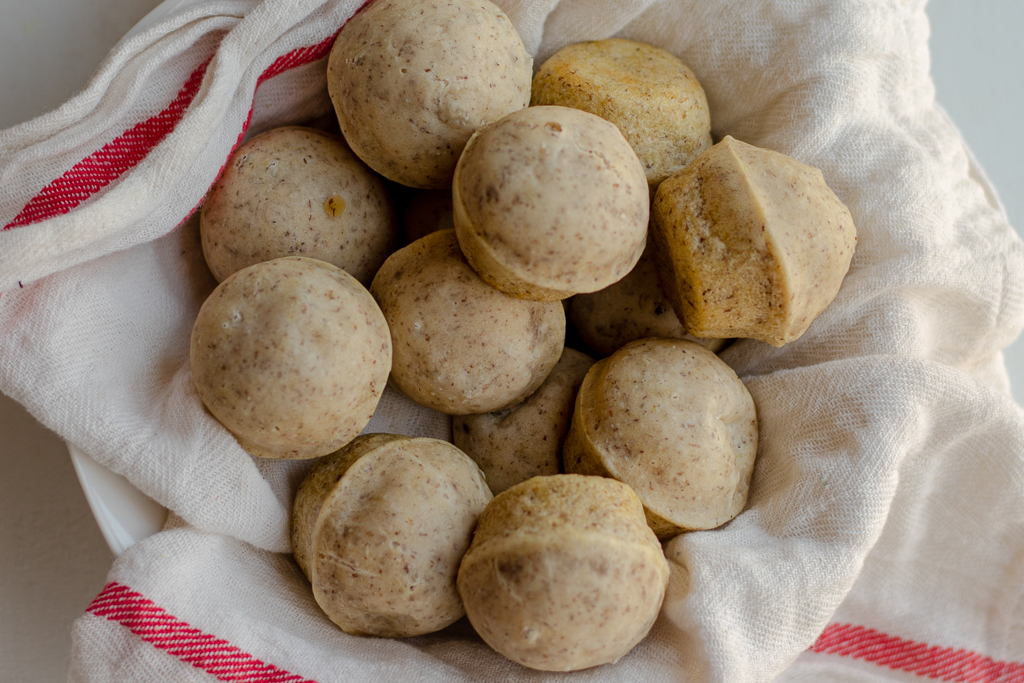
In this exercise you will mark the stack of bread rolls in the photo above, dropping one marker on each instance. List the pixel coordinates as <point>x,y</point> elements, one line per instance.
<point>589,192</point>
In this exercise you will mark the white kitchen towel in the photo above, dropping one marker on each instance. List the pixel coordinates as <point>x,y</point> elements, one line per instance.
<point>885,526</point>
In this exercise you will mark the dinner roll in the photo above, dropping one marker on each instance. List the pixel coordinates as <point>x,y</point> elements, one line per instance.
<point>672,420</point>
<point>292,356</point>
<point>752,243</point>
<point>461,346</point>
<point>563,573</point>
<point>549,202</point>
<point>380,527</point>
<point>297,192</point>
<point>412,81</point>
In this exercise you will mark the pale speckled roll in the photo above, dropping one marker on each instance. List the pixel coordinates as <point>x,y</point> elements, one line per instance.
<point>380,527</point>
<point>460,346</point>
<point>550,202</point>
<point>752,243</point>
<point>564,573</point>
<point>672,420</point>
<point>291,356</point>
<point>525,440</point>
<point>412,81</point>
<point>633,308</point>
<point>297,191</point>
<point>653,98</point>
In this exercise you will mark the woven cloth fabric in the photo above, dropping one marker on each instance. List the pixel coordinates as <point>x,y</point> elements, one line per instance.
<point>884,534</point>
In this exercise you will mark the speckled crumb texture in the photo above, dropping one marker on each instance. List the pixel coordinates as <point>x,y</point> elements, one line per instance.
<point>563,573</point>
<point>673,421</point>
<point>317,486</point>
<point>549,202</point>
<point>412,81</point>
<point>752,243</point>
<point>380,528</point>
<point>633,308</point>
<point>461,346</point>
<point>291,356</point>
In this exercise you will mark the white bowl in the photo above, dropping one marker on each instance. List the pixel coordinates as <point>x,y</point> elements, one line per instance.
<point>124,514</point>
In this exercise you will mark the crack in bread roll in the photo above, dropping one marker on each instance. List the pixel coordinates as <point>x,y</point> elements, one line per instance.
<point>751,242</point>
<point>427,212</point>
<point>564,573</point>
<point>525,440</point>
<point>380,527</point>
<point>633,308</point>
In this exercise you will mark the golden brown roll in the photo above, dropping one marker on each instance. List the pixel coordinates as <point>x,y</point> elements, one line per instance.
<point>653,98</point>
<point>752,243</point>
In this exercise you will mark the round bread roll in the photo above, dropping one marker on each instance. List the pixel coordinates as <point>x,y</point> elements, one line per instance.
<point>633,308</point>
<point>525,441</point>
<point>461,346</point>
<point>672,420</point>
<point>291,355</point>
<point>411,82</point>
<point>752,243</point>
<point>429,211</point>
<point>653,98</point>
<point>297,192</point>
<point>563,573</point>
<point>379,529</point>
<point>549,202</point>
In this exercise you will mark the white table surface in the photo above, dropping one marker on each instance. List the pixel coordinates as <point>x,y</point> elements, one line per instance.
<point>53,559</point>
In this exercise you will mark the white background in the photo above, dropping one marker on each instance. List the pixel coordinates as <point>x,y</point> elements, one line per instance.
<point>53,559</point>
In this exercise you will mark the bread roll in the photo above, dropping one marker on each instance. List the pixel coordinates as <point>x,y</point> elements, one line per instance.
<point>563,573</point>
<point>673,421</point>
<point>292,356</point>
<point>297,192</point>
<point>412,81</point>
<point>461,346</point>
<point>380,527</point>
<point>752,243</point>
<point>549,202</point>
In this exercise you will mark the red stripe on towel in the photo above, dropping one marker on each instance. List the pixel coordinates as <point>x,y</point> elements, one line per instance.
<point>295,58</point>
<point>929,661</point>
<point>166,632</point>
<point>97,170</point>
<point>121,154</point>
<point>298,57</point>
